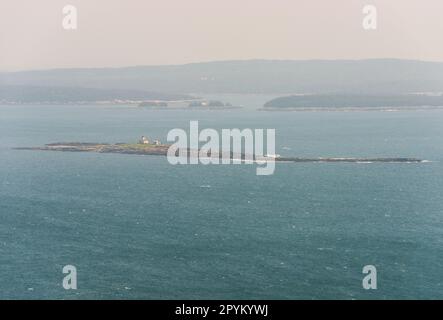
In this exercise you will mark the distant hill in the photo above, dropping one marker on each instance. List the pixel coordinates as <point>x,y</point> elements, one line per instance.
<point>56,94</point>
<point>355,101</point>
<point>254,76</point>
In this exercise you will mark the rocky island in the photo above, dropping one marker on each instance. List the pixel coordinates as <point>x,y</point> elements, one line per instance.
<point>162,149</point>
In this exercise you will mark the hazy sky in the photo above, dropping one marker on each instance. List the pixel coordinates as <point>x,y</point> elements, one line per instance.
<point>150,32</point>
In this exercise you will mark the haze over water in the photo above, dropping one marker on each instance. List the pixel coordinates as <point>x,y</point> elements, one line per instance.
<point>138,227</point>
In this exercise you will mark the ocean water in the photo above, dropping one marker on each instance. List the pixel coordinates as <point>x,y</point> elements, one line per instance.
<point>137,227</point>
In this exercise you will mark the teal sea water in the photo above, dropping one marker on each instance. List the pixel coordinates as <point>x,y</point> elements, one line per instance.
<point>138,227</point>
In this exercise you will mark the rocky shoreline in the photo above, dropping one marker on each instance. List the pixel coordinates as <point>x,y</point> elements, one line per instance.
<point>162,149</point>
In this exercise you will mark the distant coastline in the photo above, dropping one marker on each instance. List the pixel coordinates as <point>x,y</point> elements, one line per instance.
<point>323,85</point>
<point>373,76</point>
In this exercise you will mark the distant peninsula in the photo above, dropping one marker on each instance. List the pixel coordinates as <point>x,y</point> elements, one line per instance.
<point>19,94</point>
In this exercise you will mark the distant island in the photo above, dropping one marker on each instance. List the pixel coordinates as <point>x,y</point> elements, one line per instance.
<point>193,104</point>
<point>211,104</point>
<point>354,102</point>
<point>153,104</point>
<point>146,147</point>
